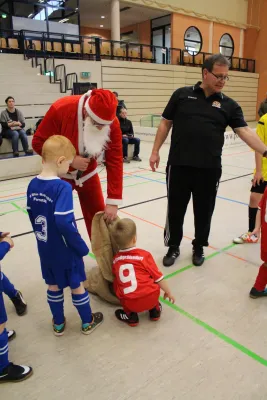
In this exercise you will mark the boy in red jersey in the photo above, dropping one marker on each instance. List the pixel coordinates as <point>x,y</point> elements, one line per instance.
<point>259,289</point>
<point>137,281</point>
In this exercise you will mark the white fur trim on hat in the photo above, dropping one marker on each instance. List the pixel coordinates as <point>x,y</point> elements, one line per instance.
<point>94,116</point>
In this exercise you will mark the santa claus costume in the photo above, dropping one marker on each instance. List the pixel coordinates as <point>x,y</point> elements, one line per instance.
<point>79,118</point>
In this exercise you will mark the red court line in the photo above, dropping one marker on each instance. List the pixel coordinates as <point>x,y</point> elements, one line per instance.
<point>14,194</point>
<point>186,237</point>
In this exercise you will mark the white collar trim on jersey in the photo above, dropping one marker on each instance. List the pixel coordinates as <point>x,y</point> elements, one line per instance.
<point>124,250</point>
<point>47,178</point>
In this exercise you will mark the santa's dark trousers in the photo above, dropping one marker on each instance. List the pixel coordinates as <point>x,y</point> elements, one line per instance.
<point>91,199</point>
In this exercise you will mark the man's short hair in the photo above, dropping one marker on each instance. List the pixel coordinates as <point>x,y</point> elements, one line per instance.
<point>123,232</point>
<point>116,94</point>
<point>8,98</point>
<point>218,59</point>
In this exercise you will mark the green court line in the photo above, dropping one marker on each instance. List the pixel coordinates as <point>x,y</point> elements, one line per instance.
<point>203,324</point>
<point>18,207</point>
<point>8,212</point>
<point>214,331</point>
<point>178,271</point>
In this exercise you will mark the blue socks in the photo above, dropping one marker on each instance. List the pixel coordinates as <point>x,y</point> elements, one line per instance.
<point>56,303</point>
<point>8,287</point>
<point>82,303</point>
<point>3,350</point>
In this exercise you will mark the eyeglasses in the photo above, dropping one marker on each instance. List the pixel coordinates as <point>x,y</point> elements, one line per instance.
<point>224,78</point>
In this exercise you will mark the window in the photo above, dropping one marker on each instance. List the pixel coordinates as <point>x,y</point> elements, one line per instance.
<point>193,40</point>
<point>226,45</point>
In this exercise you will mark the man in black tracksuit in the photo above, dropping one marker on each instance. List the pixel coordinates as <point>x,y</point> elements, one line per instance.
<point>198,116</point>
<point>128,137</point>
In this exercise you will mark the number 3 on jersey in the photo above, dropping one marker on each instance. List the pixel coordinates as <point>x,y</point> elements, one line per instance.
<point>129,278</point>
<point>41,220</point>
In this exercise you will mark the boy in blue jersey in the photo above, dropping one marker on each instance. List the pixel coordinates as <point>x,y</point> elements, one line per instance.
<point>60,246</point>
<point>9,372</point>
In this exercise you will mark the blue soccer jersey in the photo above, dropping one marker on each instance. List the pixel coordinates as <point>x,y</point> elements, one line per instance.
<point>50,208</point>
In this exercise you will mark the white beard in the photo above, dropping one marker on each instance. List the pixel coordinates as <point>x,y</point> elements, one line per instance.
<point>95,141</point>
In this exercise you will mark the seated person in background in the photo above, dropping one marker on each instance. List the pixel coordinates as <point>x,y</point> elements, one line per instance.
<point>13,122</point>
<point>121,103</point>
<point>137,279</point>
<point>128,137</point>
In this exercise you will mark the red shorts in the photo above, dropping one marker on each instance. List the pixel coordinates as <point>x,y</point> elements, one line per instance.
<point>142,303</point>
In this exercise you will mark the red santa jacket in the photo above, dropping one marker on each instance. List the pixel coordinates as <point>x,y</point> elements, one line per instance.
<point>65,118</point>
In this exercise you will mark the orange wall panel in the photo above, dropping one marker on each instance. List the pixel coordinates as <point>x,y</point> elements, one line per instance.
<point>219,30</point>
<point>87,31</point>
<point>180,23</point>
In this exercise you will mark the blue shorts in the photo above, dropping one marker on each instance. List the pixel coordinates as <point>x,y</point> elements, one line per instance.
<point>3,316</point>
<point>65,278</point>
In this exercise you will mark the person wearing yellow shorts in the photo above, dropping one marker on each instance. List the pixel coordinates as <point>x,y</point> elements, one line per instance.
<point>259,183</point>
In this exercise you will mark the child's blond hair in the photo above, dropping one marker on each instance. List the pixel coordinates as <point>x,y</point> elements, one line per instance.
<point>123,232</point>
<point>57,146</point>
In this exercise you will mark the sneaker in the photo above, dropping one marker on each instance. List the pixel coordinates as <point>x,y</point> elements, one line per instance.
<point>171,256</point>
<point>11,335</point>
<point>198,257</point>
<point>16,154</point>
<point>154,314</point>
<point>136,158</point>
<point>19,303</point>
<point>59,329</point>
<point>130,319</point>
<point>255,294</point>
<point>126,160</point>
<point>15,373</point>
<point>246,238</point>
<point>97,320</point>
<point>29,152</point>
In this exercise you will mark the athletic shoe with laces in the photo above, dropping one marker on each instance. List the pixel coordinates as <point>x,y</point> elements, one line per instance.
<point>59,329</point>
<point>11,335</point>
<point>19,303</point>
<point>126,160</point>
<point>246,238</point>
<point>171,256</point>
<point>198,257</point>
<point>155,314</point>
<point>98,318</point>
<point>130,319</point>
<point>15,373</point>
<point>255,294</point>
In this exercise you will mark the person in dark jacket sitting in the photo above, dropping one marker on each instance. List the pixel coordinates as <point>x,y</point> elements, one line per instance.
<point>128,137</point>
<point>13,122</point>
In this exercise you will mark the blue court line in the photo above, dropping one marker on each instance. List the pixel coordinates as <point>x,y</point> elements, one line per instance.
<point>233,201</point>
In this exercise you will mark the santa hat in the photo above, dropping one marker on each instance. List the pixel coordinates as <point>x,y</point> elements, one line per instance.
<point>101,106</point>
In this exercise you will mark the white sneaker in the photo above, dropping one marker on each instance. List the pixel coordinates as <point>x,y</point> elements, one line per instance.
<point>246,238</point>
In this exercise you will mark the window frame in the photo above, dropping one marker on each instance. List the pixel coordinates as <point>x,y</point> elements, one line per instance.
<point>227,47</point>
<point>193,41</point>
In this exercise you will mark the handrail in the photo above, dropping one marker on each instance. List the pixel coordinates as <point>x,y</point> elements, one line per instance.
<point>102,48</point>
<point>61,80</point>
<point>70,80</point>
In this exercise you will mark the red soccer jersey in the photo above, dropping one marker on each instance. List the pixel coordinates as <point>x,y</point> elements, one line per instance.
<point>262,207</point>
<point>136,274</point>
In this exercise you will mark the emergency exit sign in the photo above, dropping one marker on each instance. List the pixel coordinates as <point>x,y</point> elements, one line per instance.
<point>85,75</point>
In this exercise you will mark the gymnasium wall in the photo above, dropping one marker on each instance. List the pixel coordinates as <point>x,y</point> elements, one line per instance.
<point>146,88</point>
<point>227,10</point>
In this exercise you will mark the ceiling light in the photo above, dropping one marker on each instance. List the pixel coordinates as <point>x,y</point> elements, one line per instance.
<point>101,26</point>
<point>29,16</point>
<point>103,16</point>
<point>63,20</point>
